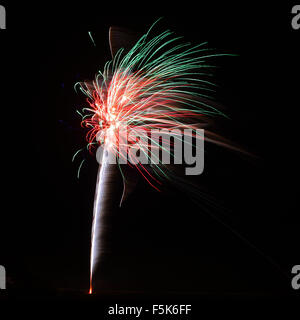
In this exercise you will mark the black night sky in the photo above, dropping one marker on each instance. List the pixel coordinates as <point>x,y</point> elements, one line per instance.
<point>161,242</point>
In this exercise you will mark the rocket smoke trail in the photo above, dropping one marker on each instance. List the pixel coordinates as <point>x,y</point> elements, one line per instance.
<point>103,204</point>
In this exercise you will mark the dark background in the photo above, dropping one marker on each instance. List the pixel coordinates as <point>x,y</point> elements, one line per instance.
<point>163,242</point>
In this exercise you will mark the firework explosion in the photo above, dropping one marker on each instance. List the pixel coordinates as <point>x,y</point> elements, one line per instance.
<point>160,83</point>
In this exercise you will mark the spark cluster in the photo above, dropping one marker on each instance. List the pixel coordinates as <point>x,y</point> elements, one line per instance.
<point>160,83</point>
